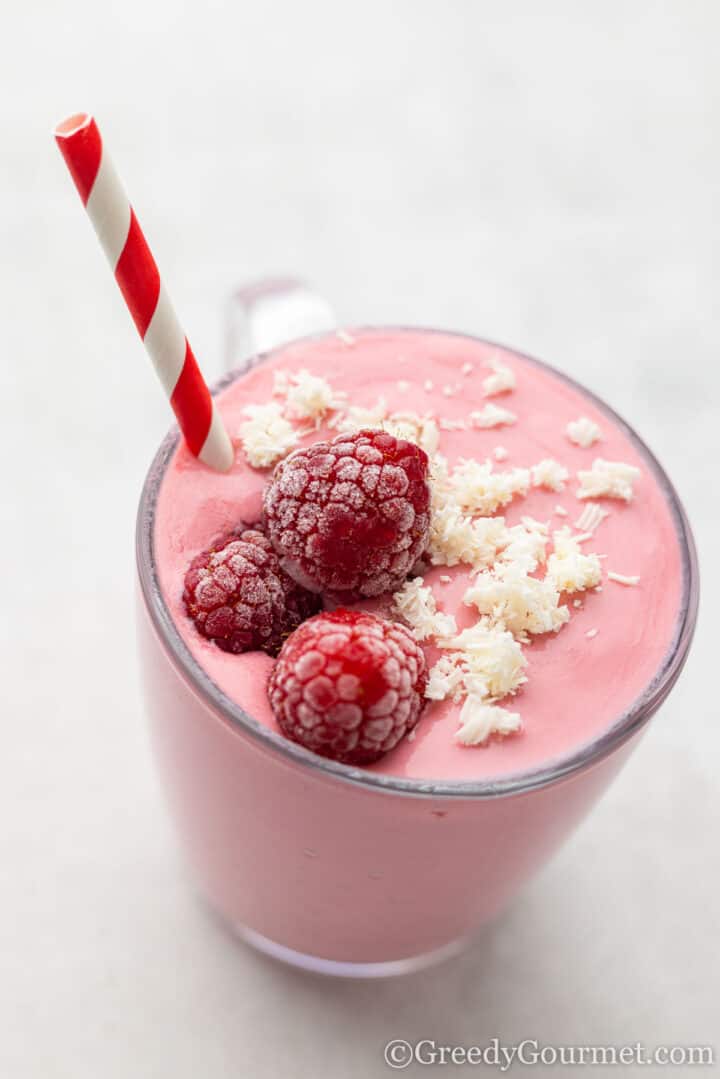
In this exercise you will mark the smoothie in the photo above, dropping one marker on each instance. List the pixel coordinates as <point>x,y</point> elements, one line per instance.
<point>616,634</point>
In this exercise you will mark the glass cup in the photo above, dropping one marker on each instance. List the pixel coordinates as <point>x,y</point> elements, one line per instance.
<point>334,868</point>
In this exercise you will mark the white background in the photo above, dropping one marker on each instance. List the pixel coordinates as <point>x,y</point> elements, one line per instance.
<point>545,174</point>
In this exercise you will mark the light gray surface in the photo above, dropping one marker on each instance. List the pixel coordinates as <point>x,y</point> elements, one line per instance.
<point>549,180</point>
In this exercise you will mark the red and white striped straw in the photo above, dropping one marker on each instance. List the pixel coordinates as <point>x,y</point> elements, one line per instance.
<point>137,275</point>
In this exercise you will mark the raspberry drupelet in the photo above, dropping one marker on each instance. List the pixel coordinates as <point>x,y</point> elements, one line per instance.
<point>348,685</point>
<point>350,518</point>
<point>239,596</point>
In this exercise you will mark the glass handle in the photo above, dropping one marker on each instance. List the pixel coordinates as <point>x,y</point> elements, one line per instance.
<point>265,314</point>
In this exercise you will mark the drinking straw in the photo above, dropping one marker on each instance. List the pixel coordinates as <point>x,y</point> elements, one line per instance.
<point>137,275</point>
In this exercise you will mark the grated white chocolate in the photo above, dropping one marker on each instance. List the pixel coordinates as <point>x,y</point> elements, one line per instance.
<point>608,479</point>
<point>622,578</point>
<point>446,680</point>
<point>266,436</point>
<point>490,659</point>
<point>525,545</point>
<point>591,516</point>
<point>416,605</point>
<point>456,538</point>
<point>549,474</point>
<point>521,603</point>
<point>569,568</point>
<point>492,416</point>
<point>308,396</point>
<point>476,488</point>
<point>479,720</point>
<point>583,432</point>
<point>502,379</point>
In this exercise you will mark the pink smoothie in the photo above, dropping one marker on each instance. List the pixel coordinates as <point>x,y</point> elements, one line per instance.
<point>578,686</point>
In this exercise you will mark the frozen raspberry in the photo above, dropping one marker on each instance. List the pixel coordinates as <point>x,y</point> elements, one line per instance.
<point>348,685</point>
<point>238,595</point>
<point>350,517</point>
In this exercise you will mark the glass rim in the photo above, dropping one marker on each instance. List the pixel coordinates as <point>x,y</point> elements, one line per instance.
<point>625,726</point>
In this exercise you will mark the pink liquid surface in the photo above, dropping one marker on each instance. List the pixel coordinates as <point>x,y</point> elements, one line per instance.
<point>577,687</point>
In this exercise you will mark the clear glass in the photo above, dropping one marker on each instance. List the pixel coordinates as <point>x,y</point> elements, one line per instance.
<point>212,754</point>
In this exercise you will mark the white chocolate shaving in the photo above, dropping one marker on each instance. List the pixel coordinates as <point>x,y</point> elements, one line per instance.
<point>502,379</point>
<point>266,435</point>
<point>583,432</point>
<point>622,578</point>
<point>549,474</point>
<point>608,479</point>
<point>415,603</point>
<point>492,416</point>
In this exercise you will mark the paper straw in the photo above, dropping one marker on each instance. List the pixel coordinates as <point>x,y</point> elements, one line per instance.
<point>137,275</point>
